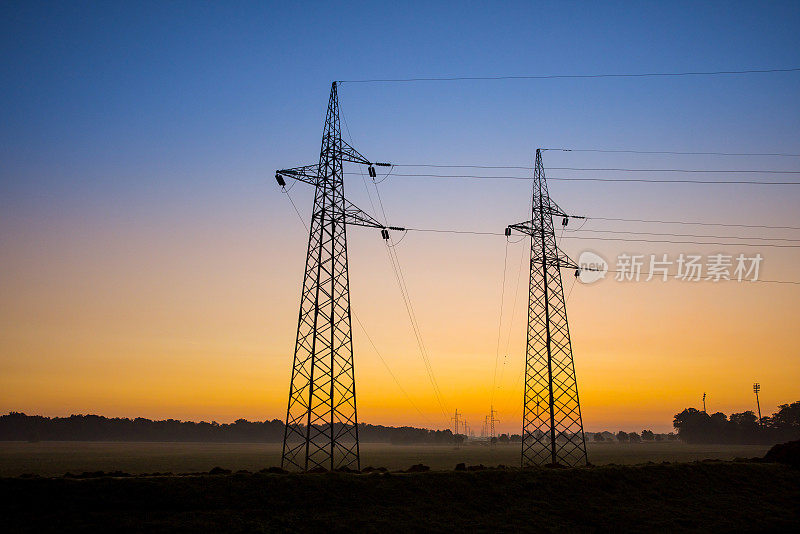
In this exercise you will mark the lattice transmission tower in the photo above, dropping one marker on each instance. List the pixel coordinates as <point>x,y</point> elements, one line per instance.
<point>552,427</point>
<point>321,420</point>
<point>488,429</point>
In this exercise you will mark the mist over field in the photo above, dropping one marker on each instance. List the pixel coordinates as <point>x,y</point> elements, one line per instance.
<point>57,458</point>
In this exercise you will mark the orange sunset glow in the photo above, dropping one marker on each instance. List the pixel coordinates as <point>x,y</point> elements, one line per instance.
<point>194,319</point>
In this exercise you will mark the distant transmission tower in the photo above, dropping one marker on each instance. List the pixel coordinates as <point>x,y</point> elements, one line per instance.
<point>704,402</point>
<point>552,430</point>
<point>456,427</point>
<point>492,421</point>
<point>321,422</point>
<point>456,423</point>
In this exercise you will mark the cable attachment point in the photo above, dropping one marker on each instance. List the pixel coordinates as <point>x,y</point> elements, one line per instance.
<point>380,164</point>
<point>281,181</point>
<point>372,173</point>
<point>508,231</point>
<point>577,273</point>
<point>385,234</point>
<point>565,221</point>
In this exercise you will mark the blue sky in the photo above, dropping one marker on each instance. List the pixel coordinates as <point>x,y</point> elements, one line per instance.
<point>103,101</point>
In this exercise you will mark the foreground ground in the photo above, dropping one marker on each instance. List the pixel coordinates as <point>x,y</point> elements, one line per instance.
<point>57,458</point>
<point>703,496</point>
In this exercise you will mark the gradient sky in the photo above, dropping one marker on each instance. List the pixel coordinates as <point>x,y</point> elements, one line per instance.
<point>151,266</point>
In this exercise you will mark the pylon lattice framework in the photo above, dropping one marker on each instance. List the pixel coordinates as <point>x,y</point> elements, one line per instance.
<point>552,427</point>
<point>321,419</point>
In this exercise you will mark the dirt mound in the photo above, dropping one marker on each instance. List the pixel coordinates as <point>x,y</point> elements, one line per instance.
<point>785,453</point>
<point>219,471</point>
<point>370,469</point>
<point>275,470</point>
<point>418,468</point>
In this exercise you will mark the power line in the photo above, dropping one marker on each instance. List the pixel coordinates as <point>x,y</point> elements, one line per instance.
<point>683,242</point>
<point>415,327</point>
<point>747,171</point>
<point>513,314</point>
<point>698,223</point>
<point>401,282</point>
<point>391,373</point>
<point>445,231</point>
<point>297,211</point>
<point>673,152</point>
<point>573,179</point>
<point>500,322</point>
<point>775,245</point>
<point>687,235</point>
<point>462,166</point>
<point>771,245</point>
<point>395,263</point>
<point>570,76</point>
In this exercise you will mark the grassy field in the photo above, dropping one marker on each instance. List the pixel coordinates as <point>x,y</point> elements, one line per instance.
<point>57,458</point>
<point>703,496</point>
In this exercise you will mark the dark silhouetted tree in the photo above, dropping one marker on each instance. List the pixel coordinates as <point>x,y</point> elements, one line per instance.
<point>694,426</point>
<point>787,418</point>
<point>17,426</point>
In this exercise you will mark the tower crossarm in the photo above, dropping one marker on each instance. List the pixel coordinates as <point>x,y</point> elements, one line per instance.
<point>558,259</point>
<point>358,217</point>
<point>526,227</point>
<point>307,173</point>
<point>352,155</point>
<point>553,210</point>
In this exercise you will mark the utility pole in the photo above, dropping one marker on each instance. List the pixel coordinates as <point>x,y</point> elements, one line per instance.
<point>553,435</point>
<point>321,429</point>
<point>704,402</point>
<point>756,389</point>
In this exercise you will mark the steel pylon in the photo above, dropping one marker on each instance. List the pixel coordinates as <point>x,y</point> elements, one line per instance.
<point>552,427</point>
<point>321,419</point>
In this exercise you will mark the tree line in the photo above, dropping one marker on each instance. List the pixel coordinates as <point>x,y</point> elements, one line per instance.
<point>629,437</point>
<point>692,426</point>
<point>697,426</point>
<point>17,426</point>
